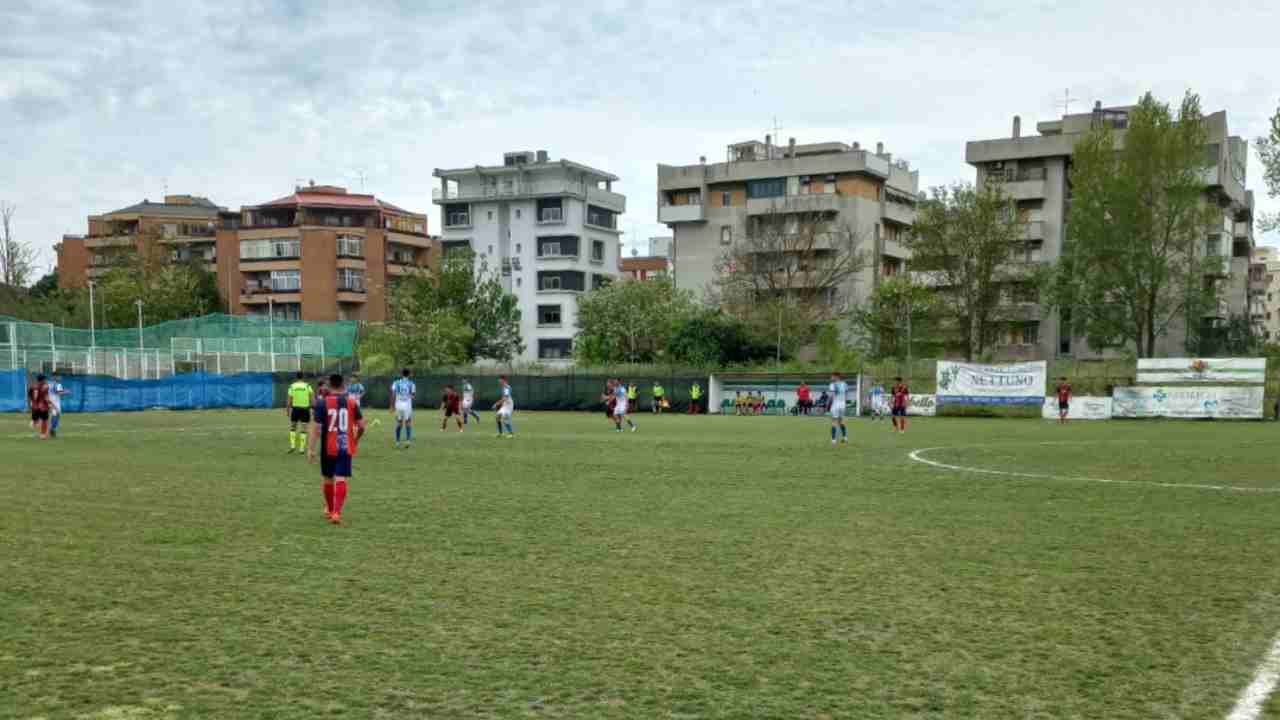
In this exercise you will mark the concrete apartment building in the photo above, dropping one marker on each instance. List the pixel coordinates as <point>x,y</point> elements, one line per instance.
<point>708,207</point>
<point>548,227</point>
<point>1264,293</point>
<point>321,253</point>
<point>1034,172</point>
<point>654,264</point>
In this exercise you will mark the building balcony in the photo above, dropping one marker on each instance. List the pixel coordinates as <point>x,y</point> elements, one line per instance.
<point>410,239</point>
<point>900,213</point>
<point>1033,230</point>
<point>352,295</point>
<point>681,213</point>
<point>264,296</point>
<point>808,202</point>
<point>1029,189</point>
<point>512,189</point>
<point>99,241</point>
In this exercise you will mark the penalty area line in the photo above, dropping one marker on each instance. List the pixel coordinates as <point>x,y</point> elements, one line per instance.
<point>918,456</point>
<point>1249,705</point>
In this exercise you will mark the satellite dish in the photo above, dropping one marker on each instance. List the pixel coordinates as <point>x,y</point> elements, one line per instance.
<point>635,252</point>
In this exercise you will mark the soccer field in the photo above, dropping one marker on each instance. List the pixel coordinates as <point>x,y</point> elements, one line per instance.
<point>179,565</point>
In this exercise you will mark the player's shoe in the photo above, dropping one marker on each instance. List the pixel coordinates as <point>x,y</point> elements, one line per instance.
<point>335,519</point>
<point>633,429</point>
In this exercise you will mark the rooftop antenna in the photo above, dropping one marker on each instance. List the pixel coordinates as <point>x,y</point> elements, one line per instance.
<point>1066,101</point>
<point>360,173</point>
<point>777,134</point>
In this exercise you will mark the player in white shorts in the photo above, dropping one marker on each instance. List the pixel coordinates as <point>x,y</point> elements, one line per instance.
<point>503,408</point>
<point>402,393</point>
<point>620,407</point>
<point>468,402</point>
<point>839,391</point>
<point>878,405</point>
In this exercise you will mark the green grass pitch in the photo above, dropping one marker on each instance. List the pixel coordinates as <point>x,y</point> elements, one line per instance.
<point>178,565</point>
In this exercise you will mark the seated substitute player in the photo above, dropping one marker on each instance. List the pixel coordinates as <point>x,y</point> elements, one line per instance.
<point>901,398</point>
<point>1063,391</point>
<point>335,435</point>
<point>468,402</point>
<point>839,390</point>
<point>503,409</point>
<point>38,404</point>
<point>451,404</point>
<point>56,391</point>
<point>402,394</point>
<point>297,408</point>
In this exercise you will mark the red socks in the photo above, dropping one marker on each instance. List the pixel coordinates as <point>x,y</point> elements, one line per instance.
<point>328,495</point>
<point>340,496</point>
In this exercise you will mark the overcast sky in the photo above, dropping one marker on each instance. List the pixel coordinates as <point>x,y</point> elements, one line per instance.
<point>103,104</point>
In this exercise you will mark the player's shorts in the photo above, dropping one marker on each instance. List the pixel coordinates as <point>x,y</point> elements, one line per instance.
<point>466,405</point>
<point>332,467</point>
<point>39,415</point>
<point>504,411</point>
<point>451,410</point>
<point>899,412</point>
<point>300,415</point>
<point>620,409</point>
<point>1064,405</point>
<point>837,410</point>
<point>404,411</point>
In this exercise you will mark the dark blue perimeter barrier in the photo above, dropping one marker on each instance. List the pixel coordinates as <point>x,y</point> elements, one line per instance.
<point>196,391</point>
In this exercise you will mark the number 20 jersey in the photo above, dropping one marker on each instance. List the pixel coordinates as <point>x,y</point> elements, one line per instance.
<point>338,416</point>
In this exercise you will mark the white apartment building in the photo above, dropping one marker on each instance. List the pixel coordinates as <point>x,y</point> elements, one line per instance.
<point>1264,293</point>
<point>549,227</point>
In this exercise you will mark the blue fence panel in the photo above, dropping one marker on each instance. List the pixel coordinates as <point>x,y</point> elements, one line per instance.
<point>99,393</point>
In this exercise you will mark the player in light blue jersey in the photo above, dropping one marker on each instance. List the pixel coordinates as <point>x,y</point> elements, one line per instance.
<point>468,402</point>
<point>402,394</point>
<point>621,403</point>
<point>877,400</point>
<point>839,392</point>
<point>56,391</point>
<point>503,408</point>
<point>355,388</point>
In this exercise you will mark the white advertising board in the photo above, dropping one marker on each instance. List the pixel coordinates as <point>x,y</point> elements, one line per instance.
<point>1189,370</point>
<point>1233,403</point>
<point>1083,407</point>
<point>969,384</point>
<point>925,405</point>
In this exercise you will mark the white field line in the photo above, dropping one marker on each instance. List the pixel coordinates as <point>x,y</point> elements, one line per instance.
<point>918,456</point>
<point>1249,705</point>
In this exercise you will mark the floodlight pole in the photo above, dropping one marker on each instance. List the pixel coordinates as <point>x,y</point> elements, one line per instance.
<point>93,331</point>
<point>271,330</point>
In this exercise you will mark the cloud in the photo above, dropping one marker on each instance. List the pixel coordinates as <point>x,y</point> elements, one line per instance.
<point>104,103</point>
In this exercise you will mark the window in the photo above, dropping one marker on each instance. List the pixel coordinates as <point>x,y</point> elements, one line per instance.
<point>597,251</point>
<point>555,349</point>
<point>550,210</point>
<point>517,213</point>
<point>457,215</point>
<point>693,197</point>
<point>601,217</point>
<point>600,281</point>
<point>519,282</point>
<point>350,280</point>
<point>558,246</point>
<point>489,251</point>
<point>286,280</point>
<point>726,235</point>
<point>399,255</point>
<point>490,214</point>
<point>570,280</point>
<point>350,246</point>
<point>548,314</point>
<point>1212,246</point>
<point>550,282</point>
<point>726,199</point>
<point>550,249</point>
<point>270,249</point>
<point>773,187</point>
<point>518,249</point>
<point>1027,333</point>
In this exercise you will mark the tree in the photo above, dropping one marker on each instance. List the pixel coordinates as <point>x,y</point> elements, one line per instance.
<point>45,286</point>
<point>418,335</point>
<point>963,243</point>
<point>1269,151</point>
<point>469,292</point>
<point>629,321</point>
<point>794,267</point>
<point>168,290</point>
<point>17,259</point>
<point>900,316</point>
<point>1134,261</point>
<point>709,337</point>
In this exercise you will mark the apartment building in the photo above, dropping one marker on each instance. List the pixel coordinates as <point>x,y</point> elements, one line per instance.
<point>549,228</point>
<point>321,253</point>
<point>1034,170</point>
<point>185,224</point>
<point>1264,293</point>
<point>710,206</point>
<point>653,264</point>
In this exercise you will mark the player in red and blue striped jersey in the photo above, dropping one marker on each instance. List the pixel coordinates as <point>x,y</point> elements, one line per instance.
<point>336,434</point>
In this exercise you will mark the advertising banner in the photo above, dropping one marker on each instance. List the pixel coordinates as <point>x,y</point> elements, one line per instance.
<point>1083,407</point>
<point>925,405</point>
<point>968,384</point>
<point>1228,403</point>
<point>1189,370</point>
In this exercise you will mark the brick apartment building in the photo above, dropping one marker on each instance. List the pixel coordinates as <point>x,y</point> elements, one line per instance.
<point>321,253</point>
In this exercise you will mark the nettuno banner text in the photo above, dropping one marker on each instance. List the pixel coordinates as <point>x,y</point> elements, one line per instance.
<point>968,384</point>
